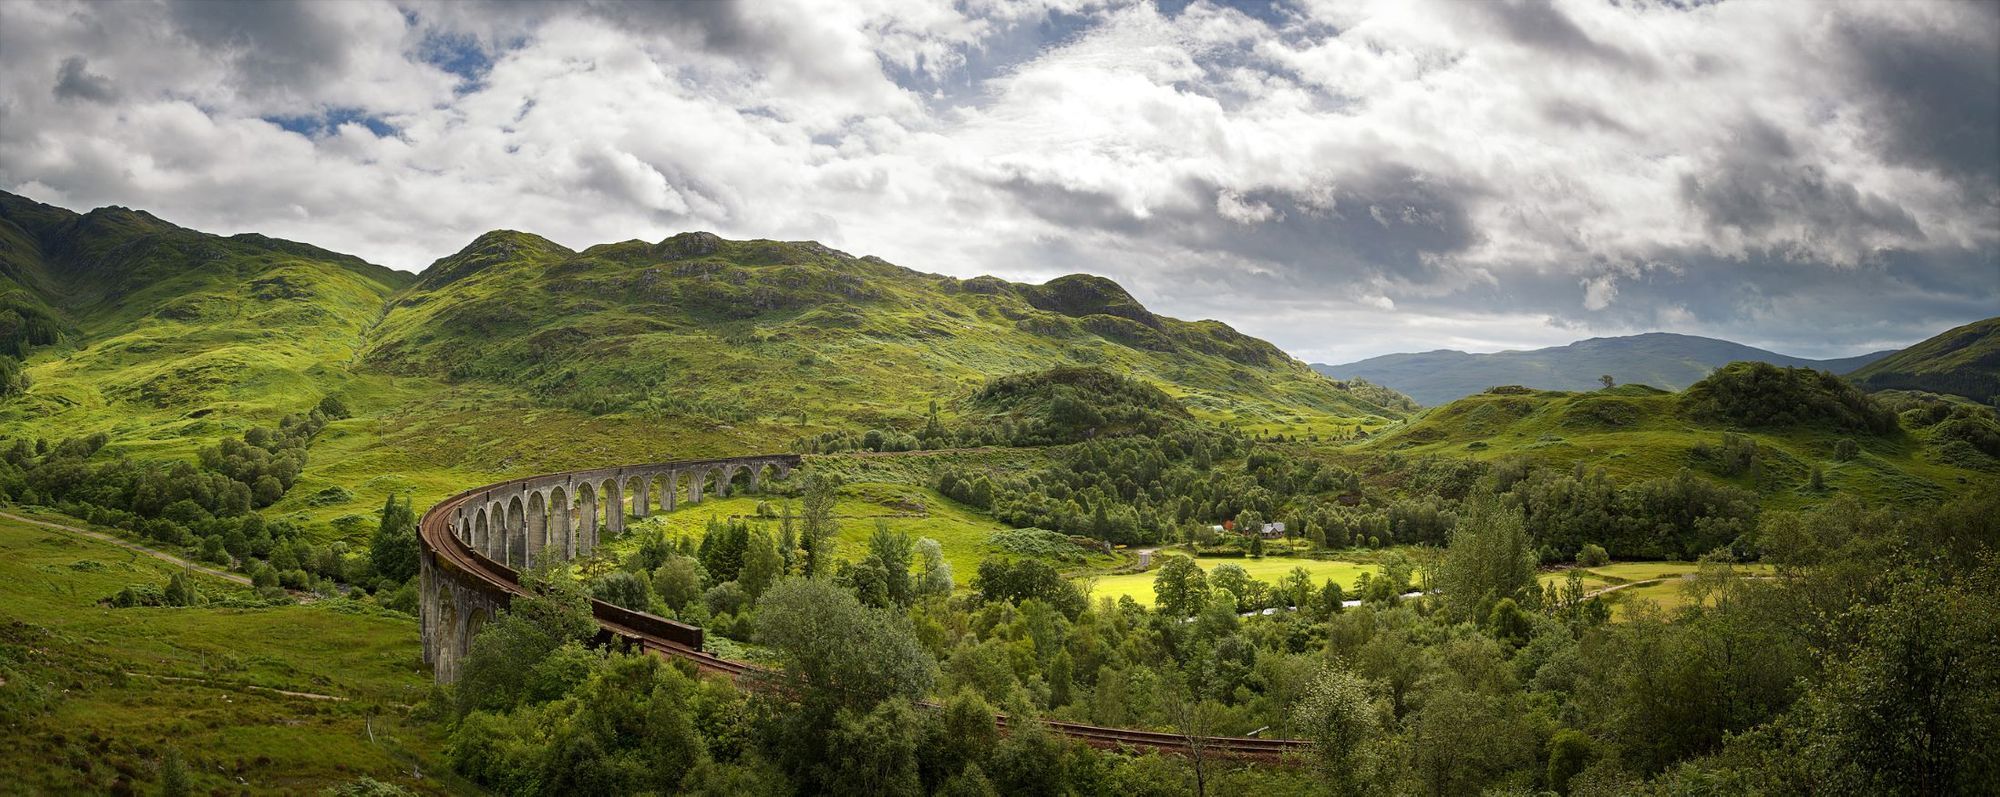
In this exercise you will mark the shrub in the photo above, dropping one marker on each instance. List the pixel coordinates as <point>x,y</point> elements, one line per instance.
<point>1592,555</point>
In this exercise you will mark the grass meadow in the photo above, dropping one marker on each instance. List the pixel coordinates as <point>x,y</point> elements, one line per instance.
<point>93,696</point>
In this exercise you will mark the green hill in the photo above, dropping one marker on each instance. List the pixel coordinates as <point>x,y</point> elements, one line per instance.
<point>159,333</point>
<point>799,334</point>
<point>1659,359</point>
<point>1752,425</point>
<point>518,355</point>
<point>1964,362</point>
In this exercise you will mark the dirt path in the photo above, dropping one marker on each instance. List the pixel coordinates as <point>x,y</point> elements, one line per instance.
<point>133,546</point>
<point>1683,577</point>
<point>225,686</point>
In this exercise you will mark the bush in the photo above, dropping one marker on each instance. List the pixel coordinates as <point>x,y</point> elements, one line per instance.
<point>1592,555</point>
<point>727,597</point>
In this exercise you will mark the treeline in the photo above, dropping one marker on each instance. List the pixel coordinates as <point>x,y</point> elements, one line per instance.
<point>1175,486</point>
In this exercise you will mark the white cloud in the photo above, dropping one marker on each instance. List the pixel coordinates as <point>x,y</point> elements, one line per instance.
<point>1346,184</point>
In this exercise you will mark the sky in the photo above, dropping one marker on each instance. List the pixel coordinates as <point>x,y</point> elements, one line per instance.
<point>1344,178</point>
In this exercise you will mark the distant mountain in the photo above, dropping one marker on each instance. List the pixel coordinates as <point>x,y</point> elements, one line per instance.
<point>1964,362</point>
<point>1660,359</point>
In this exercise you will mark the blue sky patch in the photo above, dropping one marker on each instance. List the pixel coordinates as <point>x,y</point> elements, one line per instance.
<point>323,124</point>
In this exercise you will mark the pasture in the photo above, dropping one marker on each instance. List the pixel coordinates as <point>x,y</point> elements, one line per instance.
<point>1269,570</point>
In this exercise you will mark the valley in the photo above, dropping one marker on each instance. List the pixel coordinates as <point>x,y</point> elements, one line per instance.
<point>981,461</point>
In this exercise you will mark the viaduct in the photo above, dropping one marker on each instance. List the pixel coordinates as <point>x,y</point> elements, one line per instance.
<point>473,546</point>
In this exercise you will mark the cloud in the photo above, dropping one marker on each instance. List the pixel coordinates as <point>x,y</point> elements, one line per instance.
<point>1344,178</point>
<point>75,82</point>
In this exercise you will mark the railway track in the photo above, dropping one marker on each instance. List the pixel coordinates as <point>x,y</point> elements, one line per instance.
<point>662,637</point>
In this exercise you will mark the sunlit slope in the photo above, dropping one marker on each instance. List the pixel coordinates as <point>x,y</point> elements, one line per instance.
<point>1636,432</point>
<point>172,337</point>
<point>1964,361</point>
<point>766,331</point>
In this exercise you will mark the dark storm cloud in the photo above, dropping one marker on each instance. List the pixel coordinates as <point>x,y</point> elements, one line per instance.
<point>1762,183</point>
<point>1936,92</point>
<point>1540,25</point>
<point>1573,113</point>
<point>277,45</point>
<point>75,82</point>
<point>1390,221</point>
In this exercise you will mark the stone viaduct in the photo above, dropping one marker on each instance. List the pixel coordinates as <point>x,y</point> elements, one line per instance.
<point>475,544</point>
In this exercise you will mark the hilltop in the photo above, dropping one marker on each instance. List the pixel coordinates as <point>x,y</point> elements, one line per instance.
<point>1752,425</point>
<point>801,334</point>
<point>154,333</point>
<point>1964,361</point>
<point>1660,359</point>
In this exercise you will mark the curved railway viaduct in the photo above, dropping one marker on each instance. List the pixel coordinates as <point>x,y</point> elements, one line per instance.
<point>474,545</point>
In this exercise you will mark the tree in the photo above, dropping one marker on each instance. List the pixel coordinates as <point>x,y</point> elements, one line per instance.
<point>1608,381</point>
<point>1342,714</point>
<point>875,753</point>
<point>500,671</point>
<point>1592,555</point>
<point>1296,590</point>
<point>393,551</point>
<point>1000,580</point>
<point>817,524</point>
<point>891,550</point>
<point>626,728</point>
<point>762,564</point>
<point>1179,587</point>
<point>620,588</point>
<point>835,649</point>
<point>1914,708</point>
<point>962,738</point>
<point>678,580</point>
<point>935,579</point>
<point>175,780</point>
<point>1490,557</point>
<point>1233,579</point>
<point>837,656</point>
<point>1569,752</point>
<point>180,591</point>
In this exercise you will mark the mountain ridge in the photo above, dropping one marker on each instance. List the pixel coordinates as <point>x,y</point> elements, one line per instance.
<point>1963,361</point>
<point>1660,359</point>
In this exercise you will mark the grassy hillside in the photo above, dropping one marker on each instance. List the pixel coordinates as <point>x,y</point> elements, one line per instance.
<point>1635,432</point>
<point>1964,361</point>
<point>94,696</point>
<point>170,337</point>
<point>517,355</point>
<point>767,332</point>
<point>1659,359</point>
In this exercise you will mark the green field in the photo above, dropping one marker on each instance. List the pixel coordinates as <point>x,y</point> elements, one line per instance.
<point>93,695</point>
<point>1269,570</point>
<point>917,511</point>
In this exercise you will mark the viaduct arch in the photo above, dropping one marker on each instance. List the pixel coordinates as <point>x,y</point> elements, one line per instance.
<point>474,545</point>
